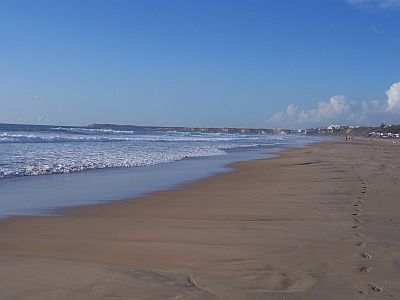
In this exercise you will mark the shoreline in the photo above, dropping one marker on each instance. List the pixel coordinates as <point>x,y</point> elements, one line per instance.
<point>294,226</point>
<point>34,195</point>
<point>267,153</point>
<point>94,187</point>
<point>230,167</point>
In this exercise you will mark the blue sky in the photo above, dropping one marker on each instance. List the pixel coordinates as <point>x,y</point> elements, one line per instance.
<point>251,63</point>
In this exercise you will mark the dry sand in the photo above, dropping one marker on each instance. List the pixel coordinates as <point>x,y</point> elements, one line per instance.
<point>315,223</point>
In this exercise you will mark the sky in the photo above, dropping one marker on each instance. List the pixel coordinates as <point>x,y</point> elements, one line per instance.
<point>200,63</point>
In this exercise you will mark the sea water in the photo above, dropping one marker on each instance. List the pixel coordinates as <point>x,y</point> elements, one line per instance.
<point>43,168</point>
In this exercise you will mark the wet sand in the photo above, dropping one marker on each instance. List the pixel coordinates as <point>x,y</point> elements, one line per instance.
<point>315,223</point>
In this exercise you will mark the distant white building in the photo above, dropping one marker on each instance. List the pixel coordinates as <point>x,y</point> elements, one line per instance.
<point>332,127</point>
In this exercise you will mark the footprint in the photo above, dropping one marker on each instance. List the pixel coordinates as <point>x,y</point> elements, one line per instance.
<point>358,209</point>
<point>361,244</point>
<point>354,214</point>
<point>362,292</point>
<point>359,234</point>
<point>365,269</point>
<point>357,220</point>
<point>375,288</point>
<point>355,226</point>
<point>366,255</point>
<point>355,205</point>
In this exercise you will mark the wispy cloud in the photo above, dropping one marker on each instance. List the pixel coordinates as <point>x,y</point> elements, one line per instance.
<point>339,109</point>
<point>388,4</point>
<point>38,98</point>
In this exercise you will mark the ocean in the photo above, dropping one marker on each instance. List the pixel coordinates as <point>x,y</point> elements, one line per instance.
<point>43,168</point>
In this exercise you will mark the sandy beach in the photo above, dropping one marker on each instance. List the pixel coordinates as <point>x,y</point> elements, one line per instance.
<point>320,222</point>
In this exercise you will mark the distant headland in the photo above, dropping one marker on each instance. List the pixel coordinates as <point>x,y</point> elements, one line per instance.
<point>186,129</point>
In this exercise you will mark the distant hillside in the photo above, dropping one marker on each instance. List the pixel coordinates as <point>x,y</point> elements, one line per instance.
<point>186,129</point>
<point>384,131</point>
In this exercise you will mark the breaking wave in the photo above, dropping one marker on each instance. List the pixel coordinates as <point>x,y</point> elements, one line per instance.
<point>56,150</point>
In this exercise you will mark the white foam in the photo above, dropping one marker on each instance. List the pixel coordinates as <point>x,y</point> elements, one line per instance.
<point>66,150</point>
